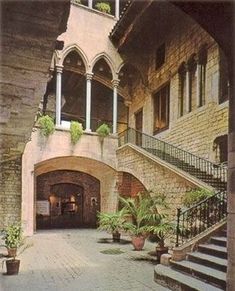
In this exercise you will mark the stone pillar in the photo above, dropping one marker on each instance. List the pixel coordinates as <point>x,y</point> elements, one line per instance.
<point>88,101</point>
<point>199,72</point>
<point>90,3</point>
<point>117,8</point>
<point>59,70</point>
<point>115,109</point>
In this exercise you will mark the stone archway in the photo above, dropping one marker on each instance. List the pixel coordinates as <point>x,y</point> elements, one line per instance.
<point>72,199</point>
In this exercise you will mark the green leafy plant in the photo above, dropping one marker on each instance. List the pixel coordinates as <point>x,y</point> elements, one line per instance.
<point>13,236</point>
<point>76,131</point>
<point>112,222</point>
<point>46,124</point>
<point>143,212</point>
<point>103,7</point>
<point>103,130</point>
<point>195,196</point>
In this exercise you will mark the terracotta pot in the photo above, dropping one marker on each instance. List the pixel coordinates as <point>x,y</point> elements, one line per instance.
<point>160,251</point>
<point>116,236</point>
<point>138,242</point>
<point>12,267</point>
<point>12,252</point>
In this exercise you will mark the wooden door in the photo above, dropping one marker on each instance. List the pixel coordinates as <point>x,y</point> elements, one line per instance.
<point>139,126</point>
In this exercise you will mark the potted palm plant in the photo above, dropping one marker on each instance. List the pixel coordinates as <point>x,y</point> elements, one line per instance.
<point>141,209</point>
<point>112,222</point>
<point>13,238</point>
<point>161,228</point>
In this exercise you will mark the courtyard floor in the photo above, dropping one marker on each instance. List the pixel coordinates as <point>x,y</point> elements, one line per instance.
<point>73,260</point>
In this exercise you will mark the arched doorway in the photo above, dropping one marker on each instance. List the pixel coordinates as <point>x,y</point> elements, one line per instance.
<point>66,199</point>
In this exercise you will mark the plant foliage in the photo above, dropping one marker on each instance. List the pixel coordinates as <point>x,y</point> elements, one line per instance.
<point>195,196</point>
<point>112,222</point>
<point>103,130</point>
<point>76,131</point>
<point>13,236</point>
<point>143,211</point>
<point>103,7</point>
<point>46,124</point>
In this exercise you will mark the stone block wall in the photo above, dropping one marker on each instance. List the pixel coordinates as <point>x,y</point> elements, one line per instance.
<point>10,196</point>
<point>194,131</point>
<point>28,35</point>
<point>128,185</point>
<point>155,177</point>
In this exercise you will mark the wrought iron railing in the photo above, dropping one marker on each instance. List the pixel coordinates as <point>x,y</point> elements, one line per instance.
<point>198,218</point>
<point>212,174</point>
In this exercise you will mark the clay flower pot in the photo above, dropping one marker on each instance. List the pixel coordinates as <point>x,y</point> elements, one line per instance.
<point>12,266</point>
<point>138,242</point>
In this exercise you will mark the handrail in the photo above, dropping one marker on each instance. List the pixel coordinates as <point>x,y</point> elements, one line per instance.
<point>211,173</point>
<point>198,218</point>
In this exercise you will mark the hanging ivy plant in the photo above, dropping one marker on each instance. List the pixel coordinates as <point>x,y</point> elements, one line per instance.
<point>46,124</point>
<point>76,131</point>
<point>103,130</point>
<point>103,7</point>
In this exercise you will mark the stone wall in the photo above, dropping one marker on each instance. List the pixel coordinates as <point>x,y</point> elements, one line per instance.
<point>194,131</point>
<point>128,185</point>
<point>28,36</point>
<point>156,178</point>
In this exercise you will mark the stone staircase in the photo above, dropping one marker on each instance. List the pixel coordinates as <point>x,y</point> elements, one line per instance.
<point>212,174</point>
<point>202,175</point>
<point>202,270</point>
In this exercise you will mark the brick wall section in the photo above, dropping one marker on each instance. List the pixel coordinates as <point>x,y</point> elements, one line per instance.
<point>10,195</point>
<point>90,185</point>
<point>155,177</point>
<point>129,186</point>
<point>194,131</point>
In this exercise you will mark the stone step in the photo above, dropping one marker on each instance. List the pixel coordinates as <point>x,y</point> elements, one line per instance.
<point>204,273</point>
<point>176,280</point>
<point>219,240</point>
<point>208,260</point>
<point>213,250</point>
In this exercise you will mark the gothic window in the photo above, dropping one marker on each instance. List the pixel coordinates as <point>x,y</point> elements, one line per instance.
<point>161,109</point>
<point>202,61</point>
<point>221,148</point>
<point>182,89</point>
<point>192,68</point>
<point>224,80</point>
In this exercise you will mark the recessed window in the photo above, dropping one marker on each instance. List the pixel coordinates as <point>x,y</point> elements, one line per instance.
<point>224,79</point>
<point>202,61</point>
<point>161,109</point>
<point>160,56</point>
<point>182,89</point>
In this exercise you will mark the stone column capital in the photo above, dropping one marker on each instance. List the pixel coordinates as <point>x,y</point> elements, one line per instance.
<point>59,69</point>
<point>89,76</point>
<point>115,82</point>
<point>127,103</point>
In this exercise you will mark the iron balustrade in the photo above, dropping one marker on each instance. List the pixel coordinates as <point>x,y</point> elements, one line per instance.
<point>198,218</point>
<point>213,174</point>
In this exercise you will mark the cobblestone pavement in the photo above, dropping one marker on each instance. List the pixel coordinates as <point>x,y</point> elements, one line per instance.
<point>64,260</point>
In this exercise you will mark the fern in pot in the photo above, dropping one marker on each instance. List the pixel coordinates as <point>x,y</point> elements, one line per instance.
<point>76,131</point>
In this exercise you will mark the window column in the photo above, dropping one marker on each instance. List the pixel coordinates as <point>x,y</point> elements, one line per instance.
<point>88,101</point>
<point>59,70</point>
<point>90,3</point>
<point>115,109</point>
<point>199,73</point>
<point>117,8</point>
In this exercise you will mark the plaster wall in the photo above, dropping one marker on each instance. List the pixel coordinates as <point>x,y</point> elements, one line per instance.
<point>43,155</point>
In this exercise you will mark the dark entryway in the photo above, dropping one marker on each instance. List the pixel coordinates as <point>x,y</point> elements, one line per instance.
<point>139,126</point>
<point>67,199</point>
